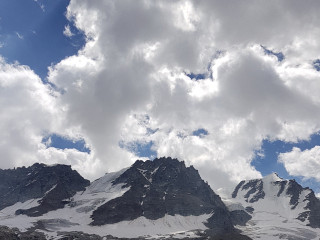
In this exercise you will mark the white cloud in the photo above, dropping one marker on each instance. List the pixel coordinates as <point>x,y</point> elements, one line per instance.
<point>128,84</point>
<point>27,108</point>
<point>41,5</point>
<point>19,36</point>
<point>78,160</point>
<point>67,31</point>
<point>134,65</point>
<point>29,111</point>
<point>302,163</point>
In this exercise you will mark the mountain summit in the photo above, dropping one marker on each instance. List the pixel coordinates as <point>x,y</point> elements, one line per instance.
<point>162,187</point>
<point>280,206</point>
<point>162,196</point>
<point>46,186</point>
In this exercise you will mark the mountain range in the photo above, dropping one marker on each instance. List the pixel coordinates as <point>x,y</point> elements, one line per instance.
<point>159,199</point>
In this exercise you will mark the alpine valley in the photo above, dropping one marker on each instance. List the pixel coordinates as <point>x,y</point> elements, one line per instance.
<point>159,199</point>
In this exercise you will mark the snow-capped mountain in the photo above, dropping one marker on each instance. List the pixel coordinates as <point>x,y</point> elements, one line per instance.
<point>155,199</point>
<point>150,199</point>
<point>280,209</point>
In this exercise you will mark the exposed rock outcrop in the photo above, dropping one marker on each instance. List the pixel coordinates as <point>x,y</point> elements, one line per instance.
<point>163,186</point>
<point>51,185</point>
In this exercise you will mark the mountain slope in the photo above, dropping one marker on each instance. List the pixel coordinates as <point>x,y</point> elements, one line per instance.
<point>150,199</point>
<point>280,208</point>
<point>160,187</point>
<point>46,186</point>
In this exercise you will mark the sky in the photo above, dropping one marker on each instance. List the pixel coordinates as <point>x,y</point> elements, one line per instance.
<point>231,87</point>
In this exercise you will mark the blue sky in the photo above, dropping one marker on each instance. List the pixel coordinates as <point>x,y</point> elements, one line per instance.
<point>268,161</point>
<point>32,33</point>
<point>213,98</point>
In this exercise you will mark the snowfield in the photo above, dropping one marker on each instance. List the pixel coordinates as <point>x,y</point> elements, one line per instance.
<point>274,218</point>
<point>76,216</point>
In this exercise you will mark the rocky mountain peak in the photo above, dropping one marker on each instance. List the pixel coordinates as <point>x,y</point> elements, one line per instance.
<point>164,186</point>
<point>164,173</point>
<point>273,177</point>
<point>162,196</point>
<point>275,193</point>
<point>48,184</point>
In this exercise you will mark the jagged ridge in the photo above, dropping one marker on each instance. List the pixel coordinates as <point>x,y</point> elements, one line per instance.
<point>50,184</point>
<point>253,191</point>
<point>163,186</point>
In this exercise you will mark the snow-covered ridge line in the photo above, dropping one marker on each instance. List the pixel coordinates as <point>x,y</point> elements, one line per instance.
<point>284,203</point>
<point>161,198</point>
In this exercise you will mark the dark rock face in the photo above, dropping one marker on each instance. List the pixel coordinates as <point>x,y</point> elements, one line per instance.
<point>282,185</point>
<point>250,209</point>
<point>240,217</point>
<point>294,190</point>
<point>80,236</point>
<point>255,190</point>
<point>51,183</point>
<point>227,236</point>
<point>163,186</point>
<point>236,190</point>
<point>14,234</point>
<point>314,210</point>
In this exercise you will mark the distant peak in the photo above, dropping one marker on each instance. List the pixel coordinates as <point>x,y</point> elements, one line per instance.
<point>43,165</point>
<point>166,159</point>
<point>39,164</point>
<point>273,177</point>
